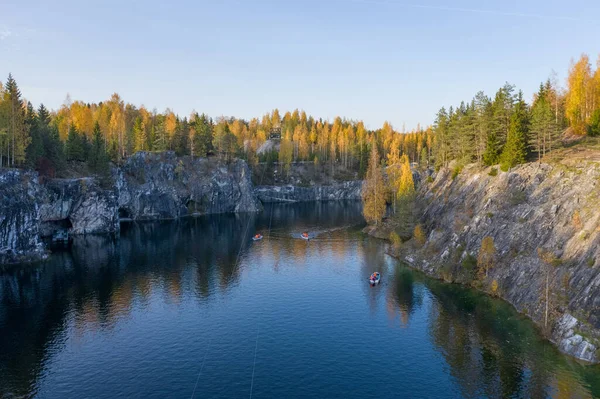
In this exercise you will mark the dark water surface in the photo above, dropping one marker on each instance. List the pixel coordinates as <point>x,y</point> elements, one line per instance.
<point>166,311</point>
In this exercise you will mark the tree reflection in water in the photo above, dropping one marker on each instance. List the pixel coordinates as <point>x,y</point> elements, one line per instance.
<point>490,350</point>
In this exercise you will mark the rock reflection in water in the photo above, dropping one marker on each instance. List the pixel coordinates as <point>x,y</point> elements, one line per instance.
<point>95,295</point>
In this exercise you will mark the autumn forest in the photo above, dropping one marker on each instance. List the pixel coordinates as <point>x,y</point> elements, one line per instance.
<point>503,129</point>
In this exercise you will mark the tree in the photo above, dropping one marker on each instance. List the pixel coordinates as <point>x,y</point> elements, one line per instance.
<point>74,145</point>
<point>224,141</point>
<point>594,126</point>
<point>579,94</point>
<point>406,186</point>
<point>543,122</point>
<point>139,135</point>
<point>201,141</point>
<point>98,158</point>
<point>483,110</point>
<point>286,152</point>
<point>485,258</point>
<point>442,138</point>
<point>18,135</point>
<point>373,194</point>
<point>35,150</point>
<point>515,150</point>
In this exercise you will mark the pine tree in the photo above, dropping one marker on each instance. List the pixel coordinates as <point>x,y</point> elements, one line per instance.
<point>442,138</point>
<point>374,192</point>
<point>515,150</point>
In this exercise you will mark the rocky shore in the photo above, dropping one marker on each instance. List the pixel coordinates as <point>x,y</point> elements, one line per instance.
<point>149,186</point>
<point>545,225</point>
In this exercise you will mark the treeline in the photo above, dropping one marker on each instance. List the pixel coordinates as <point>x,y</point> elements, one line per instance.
<point>113,130</point>
<point>507,130</point>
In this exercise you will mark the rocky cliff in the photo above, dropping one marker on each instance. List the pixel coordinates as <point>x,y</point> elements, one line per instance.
<point>545,225</point>
<point>162,186</point>
<point>348,190</point>
<point>19,217</point>
<point>80,206</point>
<point>148,187</point>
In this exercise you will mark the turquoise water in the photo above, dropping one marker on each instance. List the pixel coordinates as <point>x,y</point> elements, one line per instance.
<point>167,310</point>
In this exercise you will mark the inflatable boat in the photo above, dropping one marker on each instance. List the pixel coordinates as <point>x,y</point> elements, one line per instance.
<point>375,278</point>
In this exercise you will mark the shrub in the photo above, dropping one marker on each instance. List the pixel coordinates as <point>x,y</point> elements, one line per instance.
<point>429,179</point>
<point>517,197</point>
<point>456,171</point>
<point>494,287</point>
<point>548,257</point>
<point>395,239</point>
<point>419,235</point>
<point>469,262</point>
<point>489,215</point>
<point>591,261</point>
<point>493,172</point>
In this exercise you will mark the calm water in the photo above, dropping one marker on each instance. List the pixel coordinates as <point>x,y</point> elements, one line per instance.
<point>166,311</point>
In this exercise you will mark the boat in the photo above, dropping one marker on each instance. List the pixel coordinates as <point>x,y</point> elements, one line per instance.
<point>375,278</point>
<point>257,237</point>
<point>305,236</point>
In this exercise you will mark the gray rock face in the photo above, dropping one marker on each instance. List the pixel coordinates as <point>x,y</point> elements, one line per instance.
<point>162,186</point>
<point>79,205</point>
<point>545,224</point>
<point>19,215</point>
<point>348,190</point>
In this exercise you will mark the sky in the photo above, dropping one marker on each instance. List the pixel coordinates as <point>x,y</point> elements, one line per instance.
<point>370,60</point>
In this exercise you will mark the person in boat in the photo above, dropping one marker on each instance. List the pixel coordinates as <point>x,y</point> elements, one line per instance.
<point>257,236</point>
<point>305,234</point>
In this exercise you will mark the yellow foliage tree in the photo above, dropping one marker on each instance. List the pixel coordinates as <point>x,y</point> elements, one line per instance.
<point>419,235</point>
<point>487,252</point>
<point>406,185</point>
<point>579,100</point>
<point>373,194</point>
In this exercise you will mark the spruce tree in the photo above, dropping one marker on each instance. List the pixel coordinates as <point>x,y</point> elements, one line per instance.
<point>515,151</point>
<point>18,134</point>
<point>74,145</point>
<point>35,150</point>
<point>98,158</point>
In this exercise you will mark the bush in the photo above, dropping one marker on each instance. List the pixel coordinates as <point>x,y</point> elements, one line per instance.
<point>395,239</point>
<point>456,171</point>
<point>517,197</point>
<point>493,172</point>
<point>469,262</point>
<point>419,235</point>
<point>494,287</point>
<point>591,261</point>
<point>429,179</point>
<point>548,257</point>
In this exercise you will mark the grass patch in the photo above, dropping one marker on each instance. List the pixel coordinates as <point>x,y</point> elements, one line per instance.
<point>493,172</point>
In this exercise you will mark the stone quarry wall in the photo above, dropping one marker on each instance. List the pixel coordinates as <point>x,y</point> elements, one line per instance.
<point>545,223</point>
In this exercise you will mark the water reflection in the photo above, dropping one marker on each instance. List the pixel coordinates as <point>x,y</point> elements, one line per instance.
<point>101,283</point>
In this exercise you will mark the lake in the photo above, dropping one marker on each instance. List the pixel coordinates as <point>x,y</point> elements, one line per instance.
<point>195,308</point>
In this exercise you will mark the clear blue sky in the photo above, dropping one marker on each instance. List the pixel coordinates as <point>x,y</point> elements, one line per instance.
<point>373,60</point>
